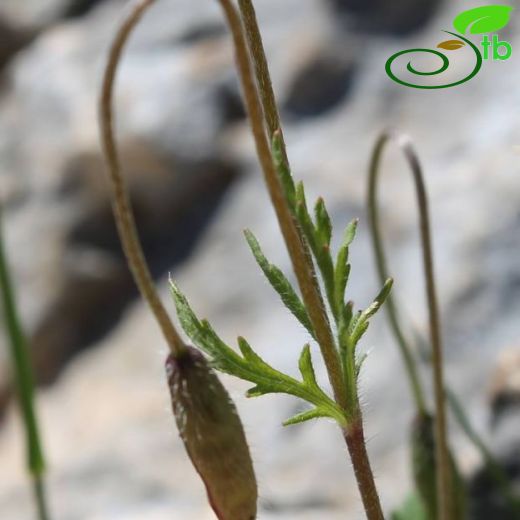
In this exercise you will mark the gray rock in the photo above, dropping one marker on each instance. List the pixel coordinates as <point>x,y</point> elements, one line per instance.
<point>323,84</point>
<point>112,443</point>
<point>12,40</point>
<point>44,13</point>
<point>398,18</point>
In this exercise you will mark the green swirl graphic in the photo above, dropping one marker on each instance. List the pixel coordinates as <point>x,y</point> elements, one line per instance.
<point>440,70</point>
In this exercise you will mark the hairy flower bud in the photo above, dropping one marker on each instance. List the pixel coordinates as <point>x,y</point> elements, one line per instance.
<point>213,436</point>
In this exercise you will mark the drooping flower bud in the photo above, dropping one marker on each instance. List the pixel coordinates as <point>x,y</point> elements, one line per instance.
<point>213,436</point>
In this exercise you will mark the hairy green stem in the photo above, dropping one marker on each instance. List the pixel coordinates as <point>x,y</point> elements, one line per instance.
<point>121,202</point>
<point>444,491</point>
<point>313,299</point>
<point>356,443</point>
<point>24,382</point>
<point>263,77</point>
<point>296,246</point>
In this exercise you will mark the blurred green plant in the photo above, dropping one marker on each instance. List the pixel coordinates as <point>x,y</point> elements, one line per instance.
<point>411,509</point>
<point>439,473</point>
<point>24,383</point>
<point>428,469</point>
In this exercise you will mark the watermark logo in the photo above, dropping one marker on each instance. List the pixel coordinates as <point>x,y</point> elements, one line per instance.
<point>484,21</point>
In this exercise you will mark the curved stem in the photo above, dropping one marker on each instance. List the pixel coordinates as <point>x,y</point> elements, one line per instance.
<point>121,201</point>
<point>298,250</point>
<point>300,254</point>
<point>24,382</point>
<point>382,271</point>
<point>441,445</point>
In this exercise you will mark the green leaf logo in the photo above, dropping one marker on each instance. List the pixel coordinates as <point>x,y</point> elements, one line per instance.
<point>486,19</point>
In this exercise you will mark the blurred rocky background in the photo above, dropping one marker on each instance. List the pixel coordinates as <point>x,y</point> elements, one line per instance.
<point>112,445</point>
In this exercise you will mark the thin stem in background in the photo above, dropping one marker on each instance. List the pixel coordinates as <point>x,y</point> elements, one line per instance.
<point>382,271</point>
<point>495,470</point>
<point>444,491</point>
<point>122,207</point>
<point>24,382</point>
<point>298,248</point>
<point>40,497</point>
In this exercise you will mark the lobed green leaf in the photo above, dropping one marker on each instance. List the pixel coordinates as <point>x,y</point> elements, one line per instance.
<point>361,324</point>
<point>341,276</point>
<point>306,367</point>
<point>350,233</point>
<point>283,170</point>
<point>251,367</point>
<point>280,284</point>
<point>315,413</point>
<point>323,223</point>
